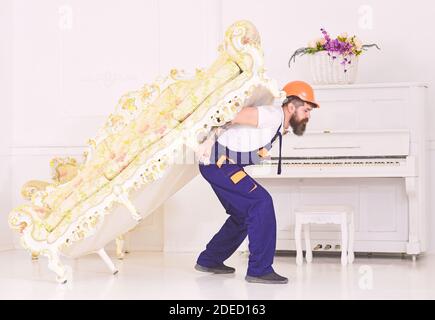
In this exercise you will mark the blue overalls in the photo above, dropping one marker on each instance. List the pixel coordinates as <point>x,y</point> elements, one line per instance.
<point>248,204</point>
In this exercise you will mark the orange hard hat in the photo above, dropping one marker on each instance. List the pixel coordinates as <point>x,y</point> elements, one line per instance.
<point>302,90</point>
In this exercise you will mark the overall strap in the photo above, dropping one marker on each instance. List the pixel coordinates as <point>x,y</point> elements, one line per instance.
<point>279,135</point>
<point>280,148</point>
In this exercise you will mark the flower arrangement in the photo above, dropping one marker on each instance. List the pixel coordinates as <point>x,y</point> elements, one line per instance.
<point>344,47</point>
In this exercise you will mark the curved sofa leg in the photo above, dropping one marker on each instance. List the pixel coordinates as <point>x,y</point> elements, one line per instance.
<point>120,247</point>
<point>103,255</point>
<point>55,264</point>
<point>35,256</point>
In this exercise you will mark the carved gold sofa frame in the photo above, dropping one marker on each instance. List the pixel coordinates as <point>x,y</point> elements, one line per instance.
<point>130,163</point>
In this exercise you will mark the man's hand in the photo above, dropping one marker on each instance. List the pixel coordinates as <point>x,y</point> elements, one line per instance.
<point>203,151</point>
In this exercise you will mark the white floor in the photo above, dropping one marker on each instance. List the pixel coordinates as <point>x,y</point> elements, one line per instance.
<point>171,276</point>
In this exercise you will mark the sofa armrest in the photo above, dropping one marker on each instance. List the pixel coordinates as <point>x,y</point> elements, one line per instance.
<point>30,188</point>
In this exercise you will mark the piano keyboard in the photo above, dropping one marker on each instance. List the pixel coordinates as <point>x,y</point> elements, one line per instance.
<point>335,168</point>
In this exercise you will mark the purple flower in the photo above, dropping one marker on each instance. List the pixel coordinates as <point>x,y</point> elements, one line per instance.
<point>325,35</point>
<point>339,47</point>
<point>343,47</point>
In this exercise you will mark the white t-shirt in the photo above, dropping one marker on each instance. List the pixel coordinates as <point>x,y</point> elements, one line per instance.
<point>246,138</point>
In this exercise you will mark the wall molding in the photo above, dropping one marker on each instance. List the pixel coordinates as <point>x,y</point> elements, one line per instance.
<point>8,248</point>
<point>46,150</point>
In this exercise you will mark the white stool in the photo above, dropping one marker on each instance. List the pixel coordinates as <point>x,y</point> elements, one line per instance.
<point>341,215</point>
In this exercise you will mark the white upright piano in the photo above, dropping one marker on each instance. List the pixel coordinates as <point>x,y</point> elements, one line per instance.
<point>365,147</point>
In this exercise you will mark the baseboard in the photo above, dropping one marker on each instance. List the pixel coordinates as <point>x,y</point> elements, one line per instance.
<point>7,248</point>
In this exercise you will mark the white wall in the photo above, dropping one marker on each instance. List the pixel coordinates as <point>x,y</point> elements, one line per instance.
<point>64,66</point>
<point>6,104</point>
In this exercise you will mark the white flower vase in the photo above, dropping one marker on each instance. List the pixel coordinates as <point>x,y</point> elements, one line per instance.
<point>326,70</point>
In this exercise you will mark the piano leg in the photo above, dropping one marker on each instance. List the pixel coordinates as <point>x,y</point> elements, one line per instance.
<point>308,252</point>
<point>344,242</point>
<point>351,254</point>
<point>298,241</point>
<point>415,208</point>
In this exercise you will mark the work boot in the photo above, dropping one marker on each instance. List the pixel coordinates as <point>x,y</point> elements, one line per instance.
<point>222,269</point>
<point>270,278</point>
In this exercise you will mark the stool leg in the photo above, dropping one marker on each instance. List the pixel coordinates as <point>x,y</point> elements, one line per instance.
<point>344,242</point>
<point>350,254</point>
<point>308,252</point>
<point>298,231</point>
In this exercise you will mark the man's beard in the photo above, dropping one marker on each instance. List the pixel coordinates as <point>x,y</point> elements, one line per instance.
<point>298,126</point>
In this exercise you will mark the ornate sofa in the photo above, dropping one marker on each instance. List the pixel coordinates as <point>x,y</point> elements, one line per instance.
<point>130,163</point>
